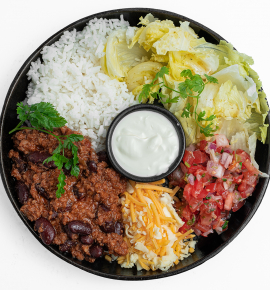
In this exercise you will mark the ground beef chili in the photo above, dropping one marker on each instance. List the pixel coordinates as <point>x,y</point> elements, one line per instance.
<point>86,219</point>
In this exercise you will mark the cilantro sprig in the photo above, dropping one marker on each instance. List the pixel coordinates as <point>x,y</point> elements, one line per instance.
<point>193,86</point>
<point>44,117</point>
<point>147,88</point>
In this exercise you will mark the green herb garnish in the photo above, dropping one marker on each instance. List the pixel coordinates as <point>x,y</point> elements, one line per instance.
<point>193,86</point>
<point>203,175</point>
<point>240,163</point>
<point>146,90</point>
<point>225,225</point>
<point>224,179</point>
<point>44,117</point>
<point>208,197</point>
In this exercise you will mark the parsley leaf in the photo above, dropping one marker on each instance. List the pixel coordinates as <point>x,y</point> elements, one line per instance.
<point>163,71</point>
<point>61,184</point>
<point>192,87</point>
<point>211,79</point>
<point>186,112</point>
<point>44,116</point>
<point>145,92</point>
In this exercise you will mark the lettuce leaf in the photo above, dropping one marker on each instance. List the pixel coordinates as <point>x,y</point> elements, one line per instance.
<point>259,127</point>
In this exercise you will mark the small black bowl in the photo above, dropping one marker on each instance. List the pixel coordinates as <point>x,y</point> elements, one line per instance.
<point>157,109</point>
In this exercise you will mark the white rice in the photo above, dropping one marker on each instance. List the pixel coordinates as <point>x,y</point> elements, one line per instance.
<point>70,77</point>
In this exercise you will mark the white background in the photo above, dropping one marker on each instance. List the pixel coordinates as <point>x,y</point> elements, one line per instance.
<point>24,262</point>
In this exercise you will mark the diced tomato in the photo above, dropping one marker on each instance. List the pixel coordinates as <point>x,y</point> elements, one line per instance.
<point>220,188</point>
<point>247,192</point>
<point>194,168</point>
<point>202,194</point>
<point>206,178</point>
<point>206,219</point>
<point>219,149</point>
<point>238,205</point>
<point>217,223</point>
<point>220,204</point>
<point>202,228</point>
<point>243,186</point>
<point>203,144</point>
<point>200,157</point>
<point>208,207</point>
<point>211,187</point>
<point>238,179</point>
<point>197,188</point>
<point>194,204</point>
<point>188,158</point>
<point>229,201</point>
<point>187,192</point>
<point>243,154</point>
<point>250,178</point>
<point>250,167</point>
<point>186,213</point>
<point>184,228</point>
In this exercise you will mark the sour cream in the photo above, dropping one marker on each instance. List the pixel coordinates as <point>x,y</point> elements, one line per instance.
<point>145,143</point>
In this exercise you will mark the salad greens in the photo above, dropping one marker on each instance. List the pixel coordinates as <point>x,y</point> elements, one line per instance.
<point>44,117</point>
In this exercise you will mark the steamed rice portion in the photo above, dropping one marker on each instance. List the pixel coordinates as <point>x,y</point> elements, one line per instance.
<point>70,77</point>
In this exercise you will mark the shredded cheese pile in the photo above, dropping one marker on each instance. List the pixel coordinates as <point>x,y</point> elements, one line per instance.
<point>151,228</point>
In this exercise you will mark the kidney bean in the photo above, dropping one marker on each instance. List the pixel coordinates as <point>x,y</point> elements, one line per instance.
<point>66,246</point>
<point>81,228</point>
<point>96,251</point>
<point>50,165</point>
<point>78,194</point>
<point>46,230</point>
<point>41,191</point>
<point>38,157</point>
<point>108,227</point>
<point>92,166</point>
<point>104,207</point>
<point>119,228</point>
<point>87,240</point>
<point>69,233</point>
<point>102,156</point>
<point>21,165</point>
<point>22,192</point>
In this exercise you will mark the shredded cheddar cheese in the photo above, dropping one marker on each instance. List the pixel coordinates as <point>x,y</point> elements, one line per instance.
<point>151,228</point>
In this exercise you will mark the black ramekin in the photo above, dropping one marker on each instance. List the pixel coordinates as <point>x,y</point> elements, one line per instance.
<point>157,109</point>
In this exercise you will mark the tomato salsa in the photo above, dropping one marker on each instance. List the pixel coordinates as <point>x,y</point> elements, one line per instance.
<point>215,180</point>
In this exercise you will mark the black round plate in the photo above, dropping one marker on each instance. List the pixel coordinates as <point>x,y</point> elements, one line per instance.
<point>206,247</point>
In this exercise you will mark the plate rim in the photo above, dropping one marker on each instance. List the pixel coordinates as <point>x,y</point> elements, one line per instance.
<point>26,221</point>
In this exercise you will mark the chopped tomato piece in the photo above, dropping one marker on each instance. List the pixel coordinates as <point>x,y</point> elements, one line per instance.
<point>238,179</point>
<point>186,213</point>
<point>200,157</point>
<point>184,228</point>
<point>197,188</point>
<point>194,168</point>
<point>238,205</point>
<point>203,144</point>
<point>188,158</point>
<point>202,194</point>
<point>211,187</point>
